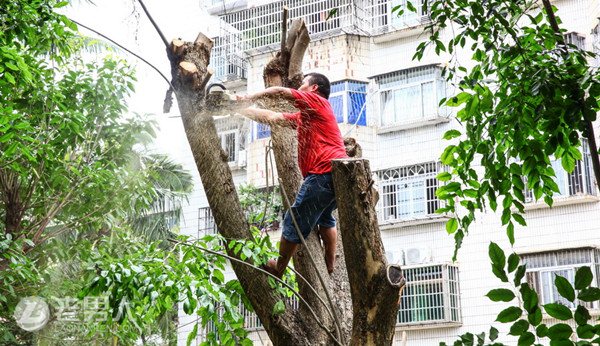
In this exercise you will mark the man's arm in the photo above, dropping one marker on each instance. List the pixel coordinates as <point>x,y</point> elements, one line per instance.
<point>266,116</point>
<point>272,92</point>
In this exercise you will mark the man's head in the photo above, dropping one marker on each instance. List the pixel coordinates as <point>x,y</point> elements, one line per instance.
<point>316,82</point>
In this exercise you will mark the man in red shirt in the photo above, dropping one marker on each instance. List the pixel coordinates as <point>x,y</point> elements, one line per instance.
<point>319,142</point>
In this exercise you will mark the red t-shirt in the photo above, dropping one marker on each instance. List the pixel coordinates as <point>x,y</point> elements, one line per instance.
<point>319,137</point>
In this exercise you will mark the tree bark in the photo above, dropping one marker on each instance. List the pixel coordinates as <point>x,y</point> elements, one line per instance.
<point>216,176</point>
<point>375,293</point>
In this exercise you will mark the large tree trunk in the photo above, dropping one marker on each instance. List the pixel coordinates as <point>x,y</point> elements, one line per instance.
<point>375,288</point>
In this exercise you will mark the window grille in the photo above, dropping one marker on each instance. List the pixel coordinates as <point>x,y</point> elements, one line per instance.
<point>580,182</point>
<point>206,222</point>
<point>348,101</point>
<point>262,130</point>
<point>575,39</point>
<point>431,295</point>
<point>542,268</point>
<point>229,143</point>
<point>251,320</point>
<point>257,29</point>
<point>410,95</point>
<point>383,20</point>
<point>408,192</point>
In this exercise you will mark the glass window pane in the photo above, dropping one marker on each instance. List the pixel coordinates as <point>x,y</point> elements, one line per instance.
<point>387,108</point>
<point>408,103</point>
<point>337,104</point>
<point>357,109</point>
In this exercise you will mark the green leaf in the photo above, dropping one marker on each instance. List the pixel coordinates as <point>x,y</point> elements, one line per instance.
<point>192,335</point>
<point>535,317</point>
<point>519,218</point>
<point>493,333</point>
<point>526,339</point>
<point>501,295</point>
<point>496,255</point>
<point>564,288</point>
<point>331,13</point>
<point>513,262</point>
<point>582,315</point>
<point>589,294</point>
<point>560,331</point>
<point>519,274</point>
<point>509,314</point>
<point>558,311</point>
<point>519,327</point>
<point>530,298</point>
<point>583,278</point>
<point>451,134</point>
<point>458,99</point>
<point>444,176</point>
<point>451,225</point>
<point>278,308</point>
<point>585,332</point>
<point>11,66</point>
<point>541,330</point>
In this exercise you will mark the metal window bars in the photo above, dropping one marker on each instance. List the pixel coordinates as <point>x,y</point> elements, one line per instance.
<point>408,192</point>
<point>251,320</point>
<point>206,222</point>
<point>580,182</point>
<point>543,267</point>
<point>258,29</point>
<point>431,295</point>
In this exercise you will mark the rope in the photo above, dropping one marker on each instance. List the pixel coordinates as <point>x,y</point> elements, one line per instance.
<point>312,260</point>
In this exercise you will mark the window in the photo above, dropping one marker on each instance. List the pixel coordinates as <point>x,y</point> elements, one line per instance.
<point>408,192</point>
<point>543,267</point>
<point>229,143</point>
<point>262,130</point>
<point>385,19</point>
<point>431,295</point>
<point>206,222</point>
<point>410,95</point>
<point>577,183</point>
<point>348,101</point>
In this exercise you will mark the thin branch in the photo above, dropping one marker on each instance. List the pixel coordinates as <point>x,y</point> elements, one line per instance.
<point>319,322</point>
<point>284,28</point>
<point>125,49</point>
<point>162,36</point>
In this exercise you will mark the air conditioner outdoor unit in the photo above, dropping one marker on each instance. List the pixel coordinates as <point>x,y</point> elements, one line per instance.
<point>418,255</point>
<point>395,257</point>
<point>242,158</point>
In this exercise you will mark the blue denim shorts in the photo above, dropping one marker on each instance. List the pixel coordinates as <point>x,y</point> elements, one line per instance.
<point>313,206</point>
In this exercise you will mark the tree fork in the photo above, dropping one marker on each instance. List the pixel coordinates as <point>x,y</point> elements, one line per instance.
<point>375,288</point>
<point>218,183</point>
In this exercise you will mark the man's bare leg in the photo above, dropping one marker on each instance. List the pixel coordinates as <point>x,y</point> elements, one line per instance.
<point>329,238</point>
<point>286,251</point>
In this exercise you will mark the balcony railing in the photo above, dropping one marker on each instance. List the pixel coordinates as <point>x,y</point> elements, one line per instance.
<point>258,29</point>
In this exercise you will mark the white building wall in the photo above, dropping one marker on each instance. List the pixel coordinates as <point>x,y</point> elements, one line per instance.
<point>573,222</point>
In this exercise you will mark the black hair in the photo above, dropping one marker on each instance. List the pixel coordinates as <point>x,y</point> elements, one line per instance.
<point>322,82</point>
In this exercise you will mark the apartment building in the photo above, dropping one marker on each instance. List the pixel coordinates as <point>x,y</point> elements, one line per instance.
<point>389,103</point>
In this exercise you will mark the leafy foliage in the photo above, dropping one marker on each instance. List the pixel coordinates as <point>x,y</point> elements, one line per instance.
<point>527,98</point>
<point>526,317</point>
